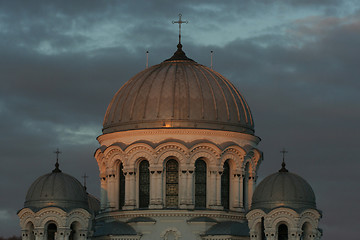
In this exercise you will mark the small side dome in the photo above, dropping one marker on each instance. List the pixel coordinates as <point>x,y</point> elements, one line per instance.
<point>114,228</point>
<point>283,189</point>
<point>56,189</point>
<point>94,203</point>
<point>231,228</point>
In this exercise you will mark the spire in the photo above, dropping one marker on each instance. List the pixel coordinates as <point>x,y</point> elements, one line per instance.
<point>56,170</point>
<point>179,54</point>
<point>180,22</point>
<point>85,177</point>
<point>283,169</point>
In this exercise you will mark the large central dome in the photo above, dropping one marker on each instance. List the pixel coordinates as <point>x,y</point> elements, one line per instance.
<point>178,93</point>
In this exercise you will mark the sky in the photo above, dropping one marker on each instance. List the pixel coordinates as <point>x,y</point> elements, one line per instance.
<point>295,62</point>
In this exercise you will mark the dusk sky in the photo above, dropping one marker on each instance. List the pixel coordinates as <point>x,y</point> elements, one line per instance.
<point>297,63</point>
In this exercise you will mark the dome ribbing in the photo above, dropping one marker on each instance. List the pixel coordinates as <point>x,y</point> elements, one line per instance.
<point>178,93</point>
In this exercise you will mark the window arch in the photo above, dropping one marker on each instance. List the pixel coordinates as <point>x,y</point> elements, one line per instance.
<point>144,184</point>
<point>172,184</point>
<point>282,232</point>
<point>200,183</point>
<point>121,187</point>
<point>51,229</point>
<point>225,186</point>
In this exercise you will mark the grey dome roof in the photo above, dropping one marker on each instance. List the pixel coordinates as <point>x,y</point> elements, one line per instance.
<point>114,228</point>
<point>93,202</point>
<point>178,93</point>
<point>229,228</point>
<point>56,189</point>
<point>283,189</point>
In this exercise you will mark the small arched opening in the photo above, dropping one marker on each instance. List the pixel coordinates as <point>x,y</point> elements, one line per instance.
<point>200,184</point>
<point>51,230</point>
<point>283,232</point>
<point>172,184</point>
<point>75,231</point>
<point>144,184</point>
<point>30,231</point>
<point>306,231</point>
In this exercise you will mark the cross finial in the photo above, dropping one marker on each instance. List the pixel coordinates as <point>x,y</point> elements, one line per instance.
<point>283,169</point>
<point>179,22</point>
<point>57,161</point>
<point>85,177</point>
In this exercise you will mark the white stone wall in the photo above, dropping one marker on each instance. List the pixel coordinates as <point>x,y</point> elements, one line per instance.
<point>185,146</point>
<point>292,219</point>
<point>34,224</point>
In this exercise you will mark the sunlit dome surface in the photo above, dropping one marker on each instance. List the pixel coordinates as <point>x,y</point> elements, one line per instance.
<point>178,93</point>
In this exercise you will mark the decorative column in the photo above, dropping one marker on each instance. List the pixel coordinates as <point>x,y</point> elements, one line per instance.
<point>131,200</point>
<point>153,189</point>
<point>251,186</point>
<point>218,191</point>
<point>111,190</point>
<point>183,189</point>
<point>159,193</point>
<point>241,179</point>
<point>235,191</point>
<point>294,234</point>
<point>103,192</point>
<point>212,189</point>
<point>39,234</point>
<point>270,234</point>
<point>127,204</point>
<point>190,189</point>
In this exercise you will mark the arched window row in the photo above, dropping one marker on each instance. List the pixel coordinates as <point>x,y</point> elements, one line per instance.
<point>166,187</point>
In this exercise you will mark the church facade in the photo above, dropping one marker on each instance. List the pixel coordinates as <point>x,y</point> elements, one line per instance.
<point>178,159</point>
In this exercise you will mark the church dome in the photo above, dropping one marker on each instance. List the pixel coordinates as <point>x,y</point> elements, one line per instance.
<point>56,189</point>
<point>178,93</point>
<point>283,189</point>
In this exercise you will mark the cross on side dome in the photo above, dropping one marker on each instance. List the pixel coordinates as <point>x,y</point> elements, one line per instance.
<point>57,161</point>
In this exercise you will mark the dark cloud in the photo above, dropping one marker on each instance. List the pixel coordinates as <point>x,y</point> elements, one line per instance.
<point>60,68</point>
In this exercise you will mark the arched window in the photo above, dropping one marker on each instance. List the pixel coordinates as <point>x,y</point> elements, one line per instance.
<point>225,186</point>
<point>200,184</point>
<point>282,232</point>
<point>172,180</point>
<point>50,231</point>
<point>121,186</point>
<point>144,184</point>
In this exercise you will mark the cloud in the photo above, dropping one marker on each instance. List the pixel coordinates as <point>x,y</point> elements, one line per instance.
<point>296,64</point>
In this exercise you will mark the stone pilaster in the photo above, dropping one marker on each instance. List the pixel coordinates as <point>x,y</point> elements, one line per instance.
<point>103,192</point>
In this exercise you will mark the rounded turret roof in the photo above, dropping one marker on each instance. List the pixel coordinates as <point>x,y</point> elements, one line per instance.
<point>178,93</point>
<point>283,189</point>
<point>56,189</point>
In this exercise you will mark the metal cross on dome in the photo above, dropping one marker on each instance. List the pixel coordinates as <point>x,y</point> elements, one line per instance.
<point>57,161</point>
<point>57,155</point>
<point>283,153</point>
<point>283,165</point>
<point>179,22</point>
